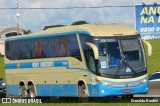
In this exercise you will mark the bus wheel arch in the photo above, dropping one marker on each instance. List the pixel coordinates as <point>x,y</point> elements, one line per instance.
<point>83,91</point>
<point>31,89</point>
<point>22,89</point>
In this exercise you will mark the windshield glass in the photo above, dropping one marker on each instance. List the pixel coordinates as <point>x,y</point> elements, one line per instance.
<point>133,54</point>
<point>120,58</point>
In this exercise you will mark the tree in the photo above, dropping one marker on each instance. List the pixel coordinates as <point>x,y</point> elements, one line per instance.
<point>25,32</point>
<point>52,26</point>
<point>80,23</point>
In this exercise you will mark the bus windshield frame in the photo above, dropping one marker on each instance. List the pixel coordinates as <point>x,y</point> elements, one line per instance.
<point>113,61</point>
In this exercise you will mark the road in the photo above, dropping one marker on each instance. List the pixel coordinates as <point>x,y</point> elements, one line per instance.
<point>154,90</point>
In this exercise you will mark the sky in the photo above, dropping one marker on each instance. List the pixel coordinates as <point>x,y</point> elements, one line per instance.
<point>35,20</point>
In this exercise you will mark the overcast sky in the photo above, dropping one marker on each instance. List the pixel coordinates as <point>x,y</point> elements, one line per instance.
<point>35,20</point>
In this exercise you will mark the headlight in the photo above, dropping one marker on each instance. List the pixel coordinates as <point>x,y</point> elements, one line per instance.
<point>144,81</point>
<point>106,83</point>
<point>3,84</point>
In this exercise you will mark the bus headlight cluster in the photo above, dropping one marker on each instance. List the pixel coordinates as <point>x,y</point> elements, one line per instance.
<point>106,83</point>
<point>144,81</point>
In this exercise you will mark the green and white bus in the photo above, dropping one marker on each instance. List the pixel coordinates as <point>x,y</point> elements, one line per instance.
<point>92,60</point>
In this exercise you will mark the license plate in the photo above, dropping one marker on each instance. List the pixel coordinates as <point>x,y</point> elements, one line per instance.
<point>127,91</point>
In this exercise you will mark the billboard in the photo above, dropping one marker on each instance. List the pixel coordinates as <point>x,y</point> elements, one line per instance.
<point>148,20</point>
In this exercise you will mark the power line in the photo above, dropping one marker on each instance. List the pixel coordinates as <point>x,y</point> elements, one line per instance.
<point>57,8</point>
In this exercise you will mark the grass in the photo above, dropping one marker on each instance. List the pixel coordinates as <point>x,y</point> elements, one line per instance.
<point>154,60</point>
<point>2,72</point>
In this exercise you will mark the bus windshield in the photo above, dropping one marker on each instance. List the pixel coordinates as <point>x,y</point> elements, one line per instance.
<point>120,58</point>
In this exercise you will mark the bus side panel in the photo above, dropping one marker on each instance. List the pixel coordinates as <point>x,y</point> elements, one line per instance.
<point>56,90</point>
<point>12,89</point>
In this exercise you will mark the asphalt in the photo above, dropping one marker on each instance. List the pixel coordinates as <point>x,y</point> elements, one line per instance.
<point>153,91</point>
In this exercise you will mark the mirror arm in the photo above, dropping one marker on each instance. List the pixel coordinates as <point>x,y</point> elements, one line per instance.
<point>95,50</point>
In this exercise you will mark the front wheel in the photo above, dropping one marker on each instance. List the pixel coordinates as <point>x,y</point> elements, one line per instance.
<point>83,94</point>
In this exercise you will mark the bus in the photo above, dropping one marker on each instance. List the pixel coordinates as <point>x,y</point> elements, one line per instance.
<point>91,60</point>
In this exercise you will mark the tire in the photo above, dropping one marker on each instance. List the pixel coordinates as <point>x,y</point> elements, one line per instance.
<point>83,94</point>
<point>3,95</point>
<point>23,92</point>
<point>32,93</point>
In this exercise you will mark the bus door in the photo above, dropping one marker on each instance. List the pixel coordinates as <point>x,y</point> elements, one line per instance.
<point>92,65</point>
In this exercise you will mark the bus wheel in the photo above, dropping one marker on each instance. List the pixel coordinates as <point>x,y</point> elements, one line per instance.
<point>83,94</point>
<point>23,91</point>
<point>32,91</point>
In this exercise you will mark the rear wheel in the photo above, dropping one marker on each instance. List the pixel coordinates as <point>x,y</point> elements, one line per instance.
<point>32,93</point>
<point>23,91</point>
<point>83,94</point>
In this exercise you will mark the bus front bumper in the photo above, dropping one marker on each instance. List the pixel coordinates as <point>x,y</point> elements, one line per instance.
<point>100,90</point>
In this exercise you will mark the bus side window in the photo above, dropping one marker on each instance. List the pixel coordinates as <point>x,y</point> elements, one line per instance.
<point>73,47</point>
<point>60,47</point>
<point>35,54</point>
<point>24,49</point>
<point>84,39</point>
<point>40,49</point>
<point>7,44</point>
<point>48,47</point>
<point>45,48</point>
<point>51,47</point>
<point>29,49</point>
<point>16,50</point>
<point>12,50</point>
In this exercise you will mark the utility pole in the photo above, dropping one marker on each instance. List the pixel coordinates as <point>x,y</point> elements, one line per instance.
<point>17,16</point>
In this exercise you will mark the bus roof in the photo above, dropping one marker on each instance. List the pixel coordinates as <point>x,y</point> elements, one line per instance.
<point>99,30</point>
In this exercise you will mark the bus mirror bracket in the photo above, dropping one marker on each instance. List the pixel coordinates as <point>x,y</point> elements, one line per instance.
<point>95,50</point>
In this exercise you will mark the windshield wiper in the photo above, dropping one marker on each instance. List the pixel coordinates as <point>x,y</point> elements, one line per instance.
<point>118,69</point>
<point>124,61</point>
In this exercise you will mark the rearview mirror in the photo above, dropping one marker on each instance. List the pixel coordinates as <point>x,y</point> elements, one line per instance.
<point>95,50</point>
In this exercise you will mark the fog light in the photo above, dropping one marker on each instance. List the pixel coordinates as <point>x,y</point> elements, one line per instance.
<point>102,91</point>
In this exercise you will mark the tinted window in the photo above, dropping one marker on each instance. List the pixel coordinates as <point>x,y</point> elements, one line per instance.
<point>12,49</point>
<point>73,47</point>
<point>48,47</point>
<point>84,39</point>
<point>60,47</point>
<point>155,76</point>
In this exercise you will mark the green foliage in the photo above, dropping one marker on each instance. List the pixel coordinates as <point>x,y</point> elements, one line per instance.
<point>26,32</point>
<point>79,23</point>
<point>74,23</point>
<point>52,26</point>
